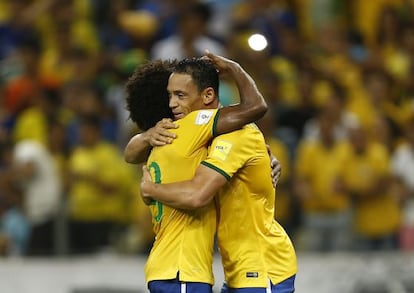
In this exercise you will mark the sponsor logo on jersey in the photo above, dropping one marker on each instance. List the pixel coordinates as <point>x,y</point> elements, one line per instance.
<point>203,117</point>
<point>221,149</point>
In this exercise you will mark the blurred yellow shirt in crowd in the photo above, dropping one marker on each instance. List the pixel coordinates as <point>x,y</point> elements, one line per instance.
<point>360,104</point>
<point>378,214</point>
<point>288,80</point>
<point>319,167</point>
<point>88,199</point>
<point>31,124</point>
<point>366,16</point>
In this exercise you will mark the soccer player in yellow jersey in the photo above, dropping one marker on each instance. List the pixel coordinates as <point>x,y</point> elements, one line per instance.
<point>181,257</point>
<point>257,253</point>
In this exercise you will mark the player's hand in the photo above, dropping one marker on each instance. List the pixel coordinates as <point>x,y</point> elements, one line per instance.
<point>222,64</point>
<point>145,182</point>
<point>276,167</point>
<point>159,134</point>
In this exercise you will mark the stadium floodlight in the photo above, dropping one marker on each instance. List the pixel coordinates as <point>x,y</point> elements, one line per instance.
<point>257,42</point>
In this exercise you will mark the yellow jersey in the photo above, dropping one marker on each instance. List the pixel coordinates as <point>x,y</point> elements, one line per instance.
<point>373,215</point>
<point>253,246</point>
<point>87,200</point>
<point>184,239</point>
<point>329,160</point>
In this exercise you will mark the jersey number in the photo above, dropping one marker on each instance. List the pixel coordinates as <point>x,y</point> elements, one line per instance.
<point>157,179</point>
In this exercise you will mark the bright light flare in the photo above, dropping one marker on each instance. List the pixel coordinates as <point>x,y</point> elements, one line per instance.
<point>257,42</point>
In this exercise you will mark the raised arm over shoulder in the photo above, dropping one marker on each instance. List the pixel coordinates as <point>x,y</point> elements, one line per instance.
<point>252,105</point>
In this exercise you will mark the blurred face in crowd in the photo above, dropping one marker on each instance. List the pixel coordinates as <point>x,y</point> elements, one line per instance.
<point>381,131</point>
<point>378,87</point>
<point>358,138</point>
<point>334,107</point>
<point>326,128</point>
<point>89,134</point>
<point>191,26</point>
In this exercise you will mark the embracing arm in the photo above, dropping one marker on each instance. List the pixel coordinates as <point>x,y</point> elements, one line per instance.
<point>252,105</point>
<point>190,194</point>
<point>138,148</point>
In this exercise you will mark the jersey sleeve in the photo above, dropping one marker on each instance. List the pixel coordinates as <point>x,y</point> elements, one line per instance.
<point>207,120</point>
<point>229,152</point>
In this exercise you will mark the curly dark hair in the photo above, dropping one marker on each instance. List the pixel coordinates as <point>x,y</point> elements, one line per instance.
<point>202,71</point>
<point>146,93</point>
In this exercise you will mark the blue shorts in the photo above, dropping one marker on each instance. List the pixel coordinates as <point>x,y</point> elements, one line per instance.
<point>286,286</point>
<point>176,286</point>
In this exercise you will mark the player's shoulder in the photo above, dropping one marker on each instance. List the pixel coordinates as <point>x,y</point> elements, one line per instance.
<point>249,132</point>
<point>199,117</point>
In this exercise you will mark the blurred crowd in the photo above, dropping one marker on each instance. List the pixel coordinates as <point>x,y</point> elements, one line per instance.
<point>338,76</point>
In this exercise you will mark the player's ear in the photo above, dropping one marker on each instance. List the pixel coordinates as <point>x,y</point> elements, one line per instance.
<point>208,95</point>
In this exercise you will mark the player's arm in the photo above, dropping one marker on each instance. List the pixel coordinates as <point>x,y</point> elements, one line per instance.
<point>190,194</point>
<point>194,193</point>
<point>252,105</point>
<point>139,146</point>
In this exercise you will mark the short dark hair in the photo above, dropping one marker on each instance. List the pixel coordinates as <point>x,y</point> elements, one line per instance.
<point>146,93</point>
<point>202,71</point>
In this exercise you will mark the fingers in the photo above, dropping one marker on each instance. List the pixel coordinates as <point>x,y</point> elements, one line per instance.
<point>219,61</point>
<point>275,180</point>
<point>275,174</point>
<point>209,54</point>
<point>159,134</point>
<point>269,151</point>
<point>276,168</point>
<point>162,138</point>
<point>146,177</point>
<point>223,65</point>
<point>145,169</point>
<point>166,123</point>
<point>274,163</point>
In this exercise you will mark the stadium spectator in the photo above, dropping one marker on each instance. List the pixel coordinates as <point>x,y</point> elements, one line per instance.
<point>36,174</point>
<point>99,191</point>
<point>402,166</point>
<point>14,225</point>
<point>191,38</point>
<point>365,176</point>
<point>327,215</point>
